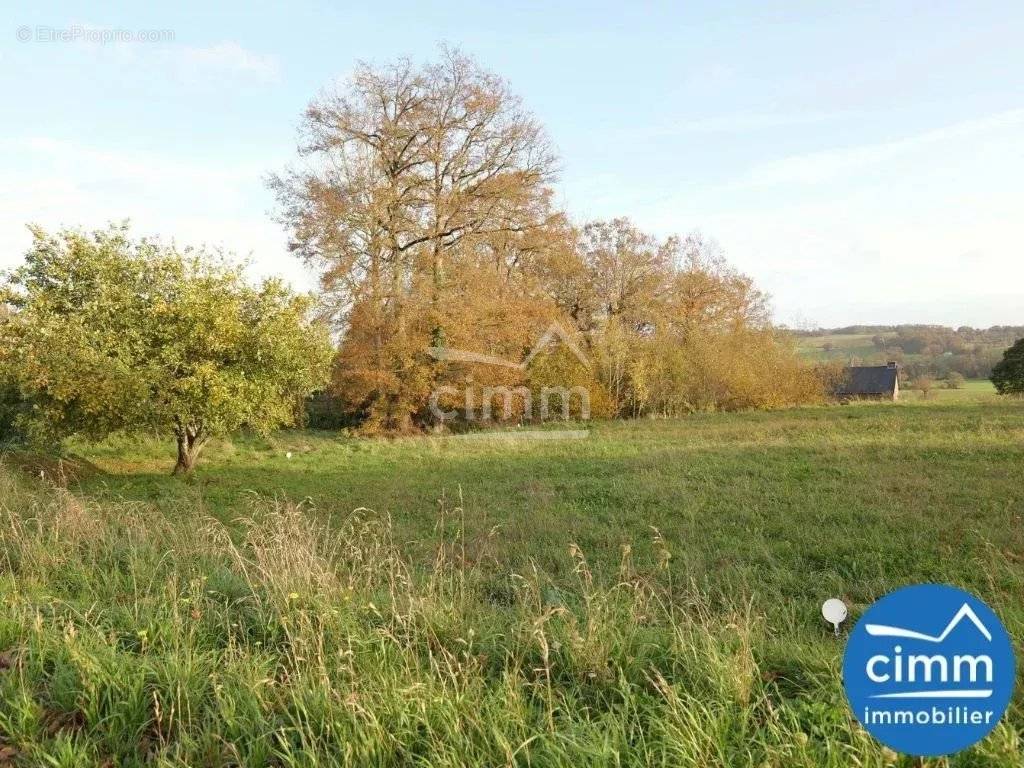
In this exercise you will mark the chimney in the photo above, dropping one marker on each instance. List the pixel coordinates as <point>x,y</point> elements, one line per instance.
<point>891,365</point>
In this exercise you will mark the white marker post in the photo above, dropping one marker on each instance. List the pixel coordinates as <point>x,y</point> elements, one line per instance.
<point>834,611</point>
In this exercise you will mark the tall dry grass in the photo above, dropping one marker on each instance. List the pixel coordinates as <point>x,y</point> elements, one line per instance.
<point>131,637</point>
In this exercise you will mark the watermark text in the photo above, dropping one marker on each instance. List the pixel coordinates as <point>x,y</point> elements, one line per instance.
<point>78,33</point>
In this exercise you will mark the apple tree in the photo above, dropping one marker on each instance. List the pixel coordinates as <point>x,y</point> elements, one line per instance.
<point>106,334</point>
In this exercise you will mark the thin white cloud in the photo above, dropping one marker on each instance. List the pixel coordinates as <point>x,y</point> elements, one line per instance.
<point>722,125</point>
<point>849,259</point>
<point>133,172</point>
<point>747,123</point>
<point>57,183</point>
<point>818,167</point>
<point>924,228</point>
<point>228,57</point>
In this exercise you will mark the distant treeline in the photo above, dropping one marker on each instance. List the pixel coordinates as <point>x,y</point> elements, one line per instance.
<point>996,332</point>
<point>926,350</point>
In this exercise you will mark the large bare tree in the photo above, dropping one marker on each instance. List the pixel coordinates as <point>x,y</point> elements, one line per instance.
<point>410,180</point>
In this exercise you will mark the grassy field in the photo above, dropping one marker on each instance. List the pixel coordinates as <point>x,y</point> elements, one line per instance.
<point>843,346</point>
<point>860,349</point>
<point>646,595</point>
<point>973,390</point>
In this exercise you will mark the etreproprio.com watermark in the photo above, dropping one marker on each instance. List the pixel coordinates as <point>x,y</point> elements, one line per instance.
<point>77,33</point>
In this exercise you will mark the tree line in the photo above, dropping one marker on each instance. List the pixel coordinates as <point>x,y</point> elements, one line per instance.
<point>423,197</point>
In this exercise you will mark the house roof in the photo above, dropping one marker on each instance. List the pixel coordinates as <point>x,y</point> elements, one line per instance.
<point>868,380</point>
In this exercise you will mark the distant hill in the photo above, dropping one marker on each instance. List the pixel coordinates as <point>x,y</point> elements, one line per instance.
<point>931,350</point>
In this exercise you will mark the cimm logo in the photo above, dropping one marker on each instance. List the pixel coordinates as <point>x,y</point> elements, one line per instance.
<point>929,670</point>
<point>480,401</point>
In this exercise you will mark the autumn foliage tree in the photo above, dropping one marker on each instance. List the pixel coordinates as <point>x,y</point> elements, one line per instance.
<point>673,329</point>
<point>423,197</point>
<point>108,334</point>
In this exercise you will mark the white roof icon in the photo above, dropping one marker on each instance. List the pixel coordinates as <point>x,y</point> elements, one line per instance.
<point>965,612</point>
<point>553,332</point>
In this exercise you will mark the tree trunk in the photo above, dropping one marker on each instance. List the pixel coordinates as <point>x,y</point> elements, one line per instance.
<point>190,443</point>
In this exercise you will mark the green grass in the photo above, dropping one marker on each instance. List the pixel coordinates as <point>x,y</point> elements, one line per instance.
<point>861,349</point>
<point>973,390</point>
<point>844,346</point>
<point>647,595</point>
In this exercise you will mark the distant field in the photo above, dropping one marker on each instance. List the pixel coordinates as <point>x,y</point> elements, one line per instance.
<point>845,346</point>
<point>974,390</point>
<point>860,348</point>
<point>646,595</point>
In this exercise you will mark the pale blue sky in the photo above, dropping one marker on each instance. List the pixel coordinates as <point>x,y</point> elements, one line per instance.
<point>863,162</point>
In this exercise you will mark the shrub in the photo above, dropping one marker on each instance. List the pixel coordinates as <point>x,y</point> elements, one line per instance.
<point>1008,373</point>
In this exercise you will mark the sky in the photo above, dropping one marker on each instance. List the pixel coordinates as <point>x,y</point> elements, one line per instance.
<point>863,162</point>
